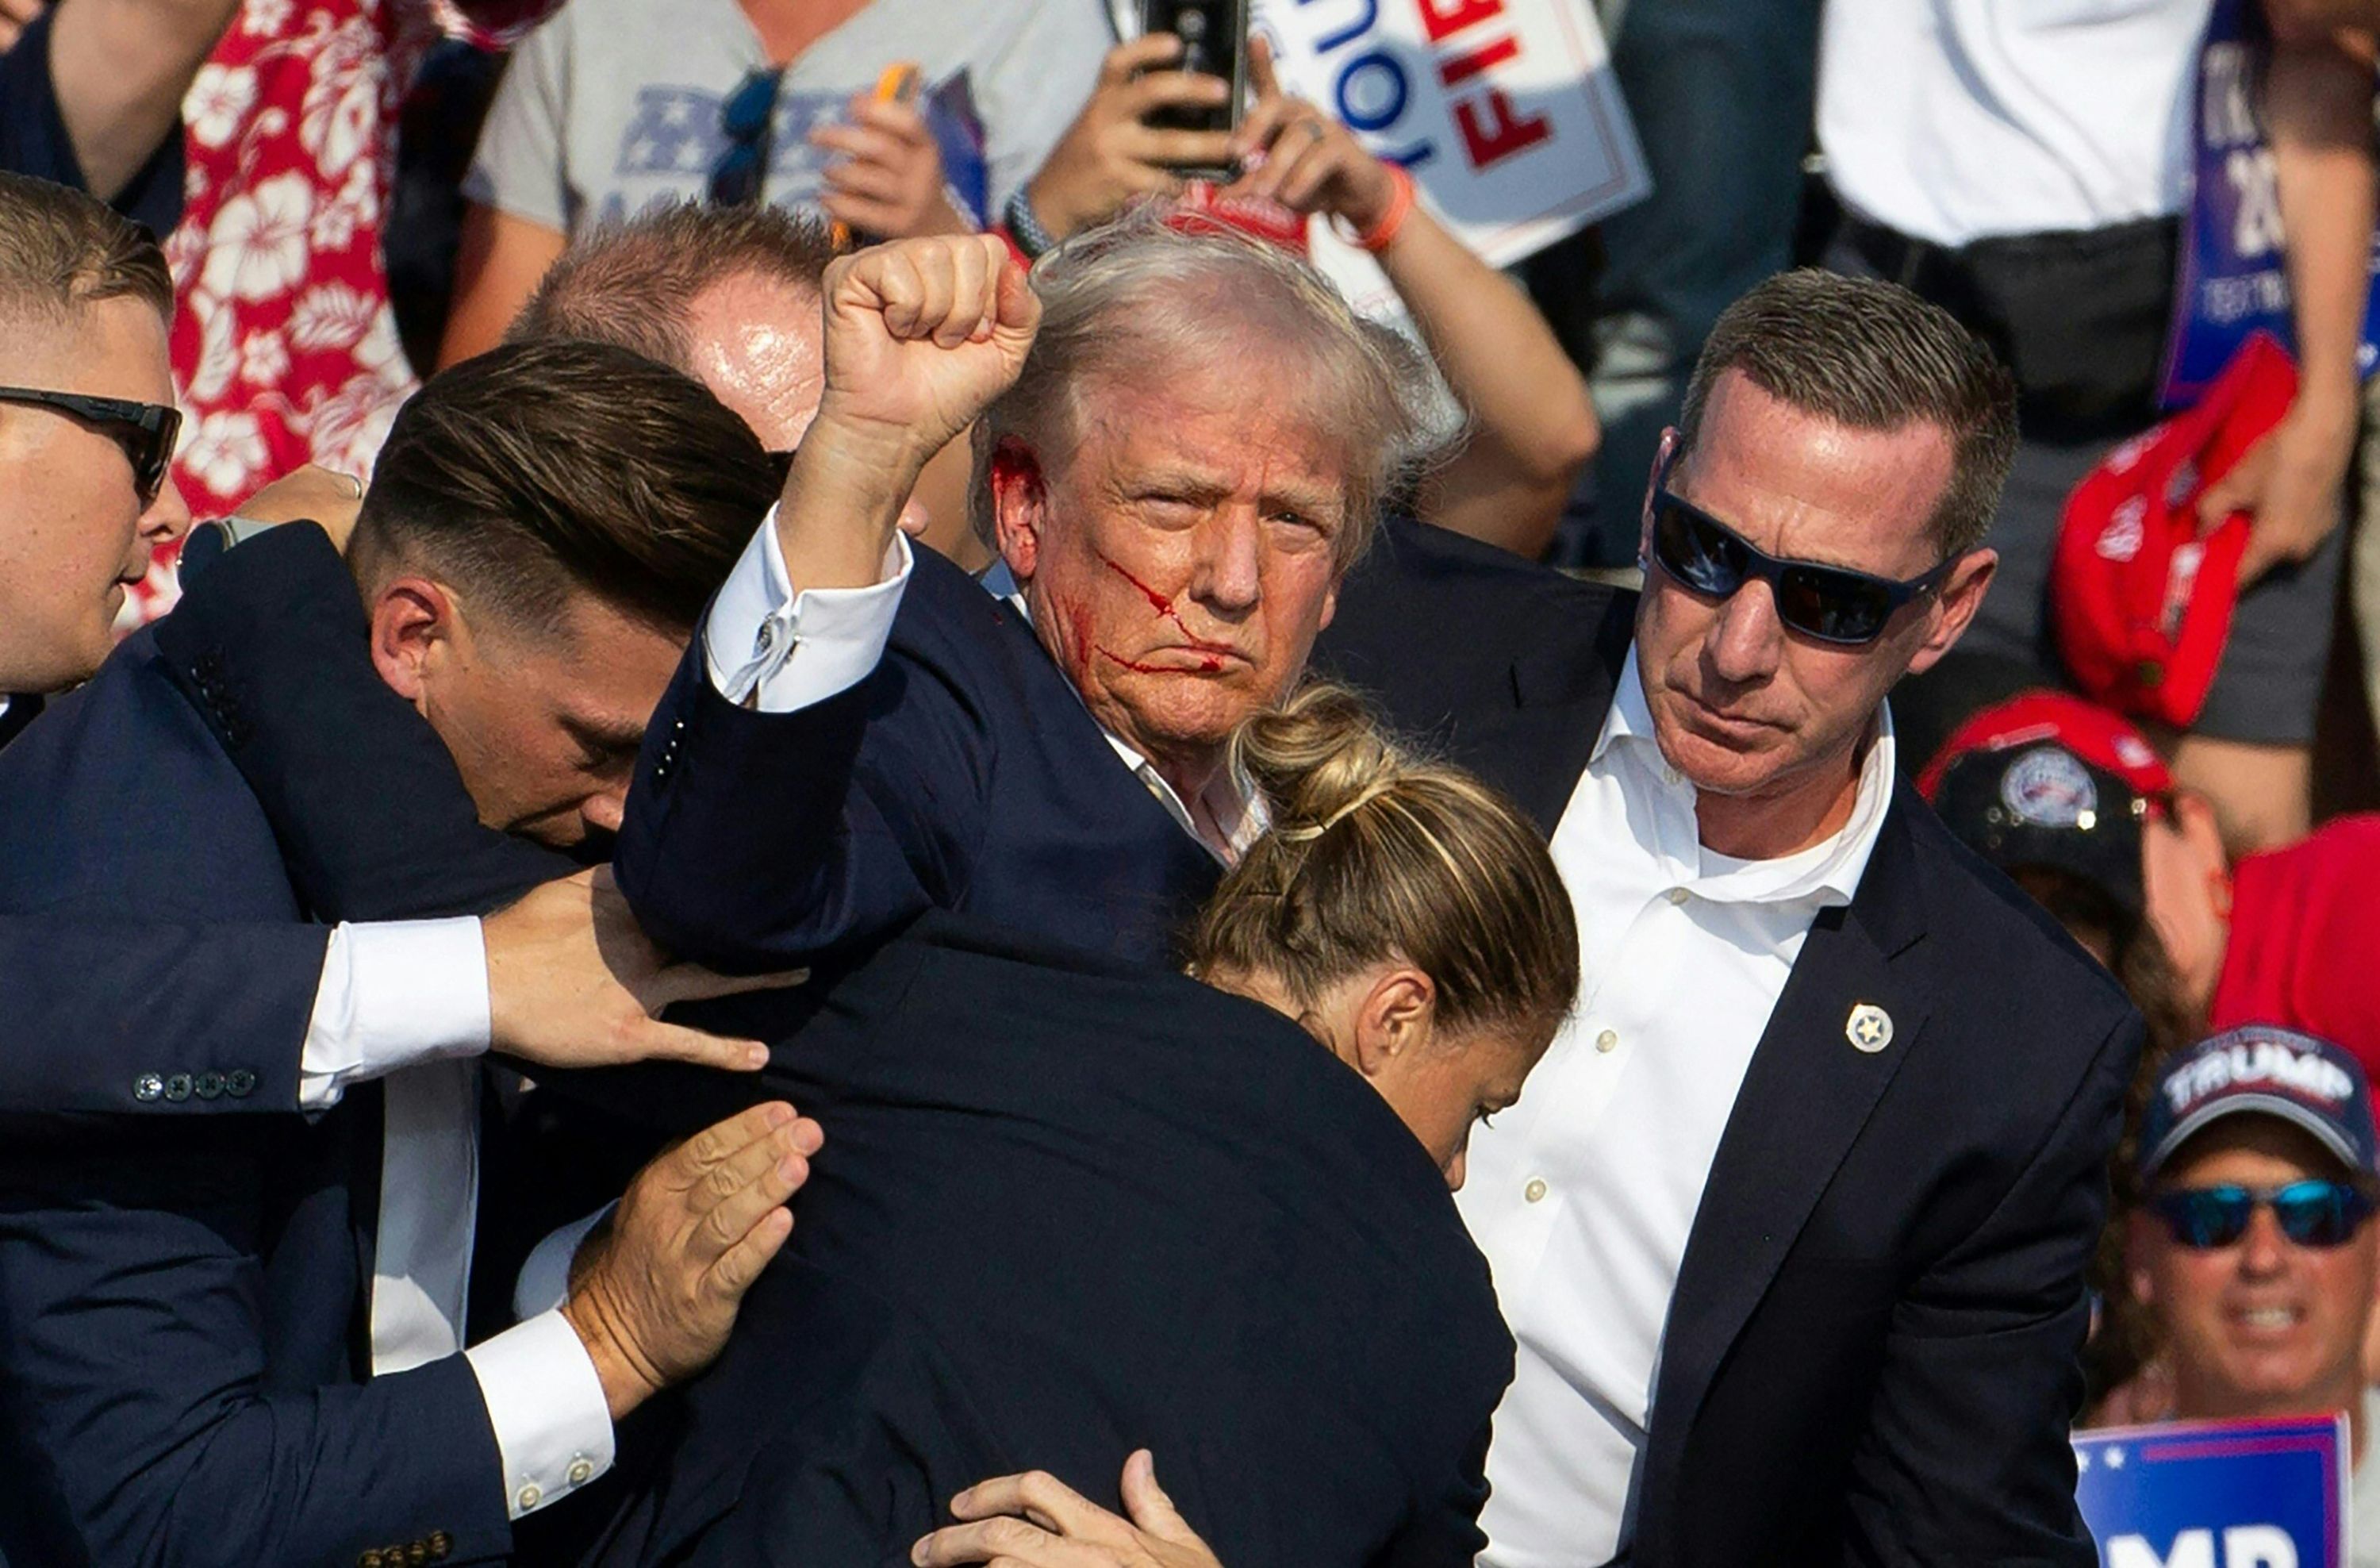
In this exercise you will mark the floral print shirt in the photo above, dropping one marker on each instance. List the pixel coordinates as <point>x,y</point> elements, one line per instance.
<point>285,347</point>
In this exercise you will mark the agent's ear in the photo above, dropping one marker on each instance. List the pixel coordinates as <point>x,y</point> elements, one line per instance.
<point>1020,500</point>
<point>1392,1019</point>
<point>1955,604</point>
<point>415,628</point>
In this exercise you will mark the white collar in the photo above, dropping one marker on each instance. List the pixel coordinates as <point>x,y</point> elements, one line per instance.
<point>1829,871</point>
<point>1229,799</point>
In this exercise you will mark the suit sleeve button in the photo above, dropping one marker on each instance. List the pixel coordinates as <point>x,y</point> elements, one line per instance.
<point>209,1086</point>
<point>147,1087</point>
<point>239,1082</point>
<point>370,1560</point>
<point>416,1554</point>
<point>440,1543</point>
<point>177,1088</point>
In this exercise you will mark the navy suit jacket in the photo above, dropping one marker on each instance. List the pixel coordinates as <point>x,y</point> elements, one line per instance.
<point>147,1013</point>
<point>183,1298</point>
<point>964,773</point>
<point>1871,1350</point>
<point>1070,1206</point>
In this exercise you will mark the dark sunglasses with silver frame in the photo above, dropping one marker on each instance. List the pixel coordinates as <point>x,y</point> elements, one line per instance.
<point>1832,604</point>
<point>145,431</point>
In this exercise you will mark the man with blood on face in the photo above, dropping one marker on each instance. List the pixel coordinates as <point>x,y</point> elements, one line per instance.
<point>1171,541</point>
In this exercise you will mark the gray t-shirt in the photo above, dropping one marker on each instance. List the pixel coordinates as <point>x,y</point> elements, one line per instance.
<point>2364,1492</point>
<point>615,105</point>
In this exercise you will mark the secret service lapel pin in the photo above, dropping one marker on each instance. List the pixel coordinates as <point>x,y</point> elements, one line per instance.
<point>1869,1028</point>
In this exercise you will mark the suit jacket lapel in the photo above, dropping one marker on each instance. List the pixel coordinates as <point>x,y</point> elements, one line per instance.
<point>1534,749</point>
<point>1804,1098</point>
<point>22,710</point>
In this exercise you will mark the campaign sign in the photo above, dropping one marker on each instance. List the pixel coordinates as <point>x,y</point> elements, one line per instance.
<point>2216,1494</point>
<point>1505,112</point>
<point>2234,276</point>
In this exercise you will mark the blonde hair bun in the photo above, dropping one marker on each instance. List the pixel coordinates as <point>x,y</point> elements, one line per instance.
<point>1317,760</point>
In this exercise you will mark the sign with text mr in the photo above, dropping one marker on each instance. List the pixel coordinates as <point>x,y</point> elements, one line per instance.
<point>2216,1494</point>
<point>1505,112</point>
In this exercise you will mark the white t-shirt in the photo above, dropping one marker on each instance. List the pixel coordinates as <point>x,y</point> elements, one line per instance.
<point>615,105</point>
<point>1953,120</point>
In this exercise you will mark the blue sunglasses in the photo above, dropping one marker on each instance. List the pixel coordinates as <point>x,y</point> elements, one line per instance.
<point>742,170</point>
<point>2310,1213</point>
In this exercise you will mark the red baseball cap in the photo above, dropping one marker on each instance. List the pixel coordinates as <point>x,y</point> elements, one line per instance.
<point>2046,778</point>
<point>2140,598</point>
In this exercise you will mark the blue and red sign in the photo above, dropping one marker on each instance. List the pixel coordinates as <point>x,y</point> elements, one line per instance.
<point>2234,270</point>
<point>2216,1494</point>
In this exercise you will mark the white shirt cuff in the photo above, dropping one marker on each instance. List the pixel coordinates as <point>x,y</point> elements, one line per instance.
<point>544,1281</point>
<point>758,623</point>
<point>552,1425</point>
<point>394,994</point>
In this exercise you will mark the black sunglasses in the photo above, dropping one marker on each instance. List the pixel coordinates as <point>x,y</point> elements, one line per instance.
<point>2312,1214</point>
<point>146,431</point>
<point>744,118</point>
<point>1830,603</point>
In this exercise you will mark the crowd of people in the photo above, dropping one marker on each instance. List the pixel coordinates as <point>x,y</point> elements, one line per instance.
<point>896,831</point>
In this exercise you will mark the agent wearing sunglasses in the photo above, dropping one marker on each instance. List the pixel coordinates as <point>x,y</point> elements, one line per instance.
<point>2254,1247</point>
<point>1832,1098</point>
<point>87,425</point>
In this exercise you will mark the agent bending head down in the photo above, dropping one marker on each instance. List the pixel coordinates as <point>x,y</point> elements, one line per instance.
<point>1409,918</point>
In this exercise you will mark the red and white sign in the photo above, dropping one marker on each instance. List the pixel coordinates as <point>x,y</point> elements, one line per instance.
<point>1505,112</point>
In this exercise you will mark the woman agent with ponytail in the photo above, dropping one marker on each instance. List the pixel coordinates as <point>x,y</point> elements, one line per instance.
<point>1078,1210</point>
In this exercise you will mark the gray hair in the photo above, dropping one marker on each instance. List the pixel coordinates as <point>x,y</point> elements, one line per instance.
<point>1127,301</point>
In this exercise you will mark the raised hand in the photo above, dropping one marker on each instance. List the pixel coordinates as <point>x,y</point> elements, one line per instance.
<point>922,334</point>
<point>1110,153</point>
<point>654,1291</point>
<point>1303,158</point>
<point>573,982</point>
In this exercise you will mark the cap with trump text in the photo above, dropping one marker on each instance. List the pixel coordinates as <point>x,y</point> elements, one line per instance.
<point>2265,1071</point>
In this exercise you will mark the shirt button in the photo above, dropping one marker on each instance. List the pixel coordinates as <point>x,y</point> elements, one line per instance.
<point>1671,777</point>
<point>582,1470</point>
<point>1678,895</point>
<point>1607,1042</point>
<point>529,1496</point>
<point>1536,1191</point>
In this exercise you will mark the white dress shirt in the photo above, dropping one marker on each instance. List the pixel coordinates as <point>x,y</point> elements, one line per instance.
<point>1954,120</point>
<point>1583,1194</point>
<point>407,1001</point>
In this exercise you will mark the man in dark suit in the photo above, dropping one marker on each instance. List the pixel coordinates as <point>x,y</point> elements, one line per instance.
<point>1152,1214</point>
<point>196,1305</point>
<point>143,1014</point>
<point>1790,1225</point>
<point>1840,1285</point>
<point>861,734</point>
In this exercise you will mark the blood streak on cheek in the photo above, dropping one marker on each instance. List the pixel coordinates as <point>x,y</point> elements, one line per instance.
<point>1164,605</point>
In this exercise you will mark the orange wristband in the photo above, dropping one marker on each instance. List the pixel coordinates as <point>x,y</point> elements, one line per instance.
<point>1381,235</point>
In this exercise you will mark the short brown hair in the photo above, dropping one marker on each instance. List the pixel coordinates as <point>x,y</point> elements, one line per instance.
<point>1872,356</point>
<point>540,469</point>
<point>1373,853</point>
<point>633,283</point>
<point>61,249</point>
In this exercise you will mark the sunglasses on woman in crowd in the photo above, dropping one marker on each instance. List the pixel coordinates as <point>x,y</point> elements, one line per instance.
<point>737,179</point>
<point>146,431</point>
<point>1829,604</point>
<point>2310,1213</point>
